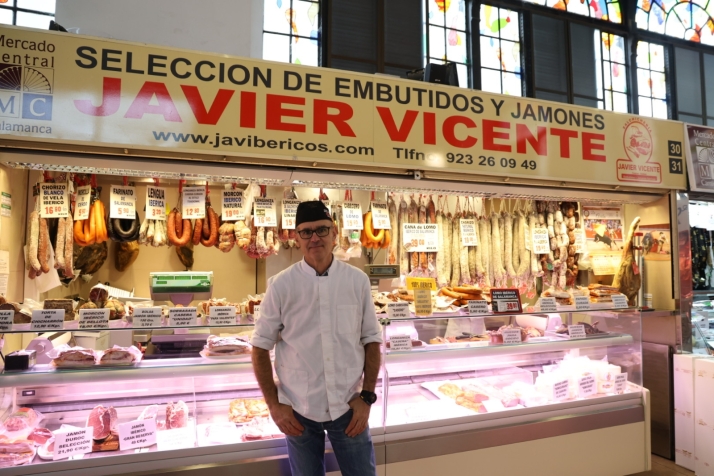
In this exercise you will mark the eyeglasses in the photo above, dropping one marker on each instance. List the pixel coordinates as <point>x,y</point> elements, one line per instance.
<point>322,232</point>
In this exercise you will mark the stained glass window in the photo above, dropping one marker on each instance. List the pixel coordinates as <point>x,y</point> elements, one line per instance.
<point>500,38</point>
<point>291,31</point>
<point>447,35</point>
<point>601,9</point>
<point>29,13</point>
<point>611,57</point>
<point>651,80</point>
<point>686,19</point>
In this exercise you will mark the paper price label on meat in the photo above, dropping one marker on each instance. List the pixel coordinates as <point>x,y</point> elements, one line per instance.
<point>540,243</point>
<point>232,205</point>
<point>182,316</point>
<point>422,302</point>
<point>7,319</point>
<point>81,205</point>
<point>289,213</point>
<point>560,390</point>
<point>587,385</point>
<point>478,307</point>
<point>506,300</point>
<point>264,213</point>
<point>352,216</point>
<point>547,304</point>
<point>193,202</point>
<point>420,237</point>
<point>398,310</point>
<point>380,216</point>
<point>54,200</point>
<point>47,320</point>
<point>493,405</point>
<point>222,316</point>
<point>177,438</point>
<point>137,434</point>
<point>577,331</point>
<point>147,317</point>
<point>93,318</point>
<point>256,313</point>
<point>468,232</point>
<point>582,303</point>
<point>122,202</point>
<point>71,443</point>
<point>620,383</point>
<point>400,342</point>
<point>511,336</point>
<point>619,301</point>
<point>155,203</point>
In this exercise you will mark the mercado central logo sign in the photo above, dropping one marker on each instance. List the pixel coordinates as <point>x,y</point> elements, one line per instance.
<point>80,90</point>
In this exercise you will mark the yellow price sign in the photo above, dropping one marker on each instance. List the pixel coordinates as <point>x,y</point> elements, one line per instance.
<point>421,283</point>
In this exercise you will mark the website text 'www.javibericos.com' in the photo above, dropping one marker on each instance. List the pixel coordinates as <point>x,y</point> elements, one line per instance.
<point>219,141</point>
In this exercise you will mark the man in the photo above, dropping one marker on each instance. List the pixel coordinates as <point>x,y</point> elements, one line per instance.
<point>319,316</point>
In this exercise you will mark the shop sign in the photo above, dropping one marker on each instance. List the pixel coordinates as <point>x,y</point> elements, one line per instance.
<point>102,92</point>
<point>700,157</point>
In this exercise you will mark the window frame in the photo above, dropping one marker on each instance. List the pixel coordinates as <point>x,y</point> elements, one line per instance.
<point>291,35</point>
<point>470,7</point>
<point>15,9</point>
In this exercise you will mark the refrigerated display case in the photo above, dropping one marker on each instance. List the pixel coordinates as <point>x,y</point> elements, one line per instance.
<point>438,403</point>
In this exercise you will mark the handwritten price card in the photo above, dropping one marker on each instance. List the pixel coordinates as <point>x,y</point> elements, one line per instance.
<point>155,203</point>
<point>122,202</point>
<point>194,202</point>
<point>264,212</point>
<point>380,216</point>
<point>81,206</point>
<point>352,216</point>
<point>289,213</point>
<point>54,200</point>
<point>232,205</point>
<point>468,232</point>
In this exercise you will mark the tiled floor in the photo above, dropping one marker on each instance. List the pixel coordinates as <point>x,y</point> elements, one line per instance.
<point>665,467</point>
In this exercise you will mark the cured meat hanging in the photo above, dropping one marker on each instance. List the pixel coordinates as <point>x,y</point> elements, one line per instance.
<point>628,278</point>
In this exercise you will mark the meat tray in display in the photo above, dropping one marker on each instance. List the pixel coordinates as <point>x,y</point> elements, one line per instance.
<point>103,421</point>
<point>243,410</point>
<point>228,346</point>
<point>176,415</point>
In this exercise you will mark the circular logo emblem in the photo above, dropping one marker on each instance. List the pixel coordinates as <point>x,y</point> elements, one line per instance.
<point>638,142</point>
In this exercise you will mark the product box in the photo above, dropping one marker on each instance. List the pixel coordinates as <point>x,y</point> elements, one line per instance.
<point>20,360</point>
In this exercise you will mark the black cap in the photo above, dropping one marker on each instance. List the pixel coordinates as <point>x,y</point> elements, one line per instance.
<point>311,211</point>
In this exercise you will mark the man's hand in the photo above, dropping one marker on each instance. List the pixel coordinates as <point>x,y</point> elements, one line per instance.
<point>360,417</point>
<point>284,417</point>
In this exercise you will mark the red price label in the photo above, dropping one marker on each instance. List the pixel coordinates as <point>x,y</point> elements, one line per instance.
<point>260,219</point>
<point>230,213</point>
<point>191,211</point>
<point>156,212</point>
<point>52,210</point>
<point>289,222</point>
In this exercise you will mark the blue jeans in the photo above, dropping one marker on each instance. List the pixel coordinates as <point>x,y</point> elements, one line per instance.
<point>307,451</point>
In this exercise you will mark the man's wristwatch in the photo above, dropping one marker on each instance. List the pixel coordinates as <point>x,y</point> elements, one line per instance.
<point>368,397</point>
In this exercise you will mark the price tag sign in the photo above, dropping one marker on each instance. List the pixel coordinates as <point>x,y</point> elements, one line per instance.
<point>400,342</point>
<point>122,202</point>
<point>577,331</point>
<point>7,319</point>
<point>193,202</point>
<point>422,303</point>
<point>176,438</point>
<point>71,443</point>
<point>47,320</point>
<point>155,203</point>
<point>398,310</point>
<point>232,205</point>
<point>619,301</point>
<point>560,390</point>
<point>582,303</point>
<point>289,213</point>
<point>511,336</point>
<point>587,385</point>
<point>352,216</point>
<point>506,300</point>
<point>540,242</point>
<point>54,200</point>
<point>264,212</point>
<point>137,434</point>
<point>81,205</point>
<point>579,240</point>
<point>380,216</point>
<point>420,237</point>
<point>256,313</point>
<point>147,317</point>
<point>620,383</point>
<point>93,318</point>
<point>421,283</point>
<point>493,405</point>
<point>478,307</point>
<point>222,316</point>
<point>468,232</point>
<point>547,304</point>
<point>182,316</point>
